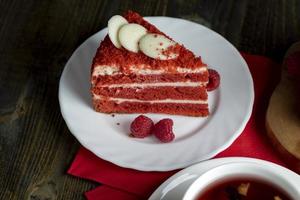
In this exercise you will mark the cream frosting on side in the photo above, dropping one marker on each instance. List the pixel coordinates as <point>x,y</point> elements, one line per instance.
<point>102,70</point>
<point>121,100</point>
<point>160,84</point>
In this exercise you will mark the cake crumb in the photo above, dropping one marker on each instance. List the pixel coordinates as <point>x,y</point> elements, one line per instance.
<point>113,115</point>
<point>118,123</point>
<point>243,189</point>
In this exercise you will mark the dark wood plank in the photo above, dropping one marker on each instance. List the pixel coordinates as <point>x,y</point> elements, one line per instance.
<point>38,37</point>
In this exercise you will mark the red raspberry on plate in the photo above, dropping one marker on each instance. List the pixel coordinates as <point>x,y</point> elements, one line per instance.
<point>163,130</point>
<point>141,126</point>
<point>214,80</point>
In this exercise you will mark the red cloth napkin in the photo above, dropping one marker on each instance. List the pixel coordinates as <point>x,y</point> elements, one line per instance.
<point>128,184</point>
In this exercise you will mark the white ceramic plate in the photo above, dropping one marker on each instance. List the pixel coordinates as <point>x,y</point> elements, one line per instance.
<point>175,187</point>
<point>197,138</point>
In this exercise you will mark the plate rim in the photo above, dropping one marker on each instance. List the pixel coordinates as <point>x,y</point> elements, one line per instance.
<point>173,166</point>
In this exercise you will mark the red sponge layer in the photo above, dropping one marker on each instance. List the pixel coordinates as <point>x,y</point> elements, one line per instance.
<point>158,93</point>
<point>107,106</point>
<point>133,78</point>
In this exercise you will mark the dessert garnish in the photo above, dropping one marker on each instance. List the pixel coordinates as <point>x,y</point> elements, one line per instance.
<point>129,36</point>
<point>113,25</point>
<point>163,130</point>
<point>154,45</point>
<point>134,37</point>
<point>141,126</point>
<point>214,80</point>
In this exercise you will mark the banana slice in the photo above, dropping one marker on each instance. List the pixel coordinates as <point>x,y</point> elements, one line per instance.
<point>153,45</point>
<point>114,24</point>
<point>129,36</point>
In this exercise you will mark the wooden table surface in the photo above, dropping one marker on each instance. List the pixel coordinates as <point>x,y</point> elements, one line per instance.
<point>38,37</point>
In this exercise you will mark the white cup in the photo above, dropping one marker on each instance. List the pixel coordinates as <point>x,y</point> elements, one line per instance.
<point>236,170</point>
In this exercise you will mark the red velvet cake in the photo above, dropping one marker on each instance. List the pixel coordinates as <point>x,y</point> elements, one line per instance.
<point>124,81</point>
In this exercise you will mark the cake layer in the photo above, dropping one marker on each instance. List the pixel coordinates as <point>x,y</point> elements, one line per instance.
<point>188,109</point>
<point>120,79</point>
<point>152,93</point>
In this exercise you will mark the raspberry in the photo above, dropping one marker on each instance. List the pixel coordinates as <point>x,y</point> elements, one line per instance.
<point>163,130</point>
<point>141,126</point>
<point>214,80</point>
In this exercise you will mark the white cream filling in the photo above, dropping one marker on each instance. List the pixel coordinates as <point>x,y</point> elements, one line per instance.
<point>121,100</point>
<point>160,84</point>
<point>146,71</point>
<point>102,70</point>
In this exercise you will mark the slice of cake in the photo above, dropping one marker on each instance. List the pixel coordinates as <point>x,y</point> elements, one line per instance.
<point>139,69</point>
